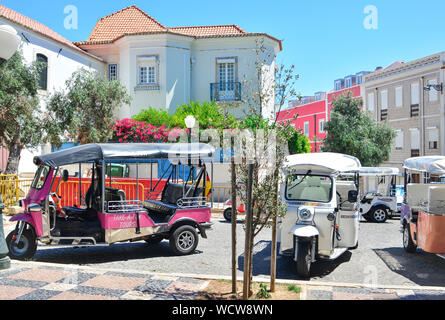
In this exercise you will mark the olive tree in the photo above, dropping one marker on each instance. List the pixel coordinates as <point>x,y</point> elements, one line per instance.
<point>21,126</point>
<point>85,110</point>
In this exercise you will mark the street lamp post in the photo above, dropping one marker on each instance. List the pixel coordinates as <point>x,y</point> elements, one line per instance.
<point>10,42</point>
<point>190,123</point>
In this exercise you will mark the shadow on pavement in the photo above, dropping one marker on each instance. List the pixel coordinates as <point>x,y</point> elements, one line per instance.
<point>97,255</point>
<point>424,269</point>
<point>285,264</point>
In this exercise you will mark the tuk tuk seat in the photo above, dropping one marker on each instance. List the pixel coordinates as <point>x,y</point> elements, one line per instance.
<point>170,196</point>
<point>417,195</point>
<point>436,200</point>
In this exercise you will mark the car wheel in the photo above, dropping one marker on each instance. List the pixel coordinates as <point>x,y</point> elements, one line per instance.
<point>25,248</point>
<point>228,215</point>
<point>408,243</point>
<point>379,214</point>
<point>184,240</point>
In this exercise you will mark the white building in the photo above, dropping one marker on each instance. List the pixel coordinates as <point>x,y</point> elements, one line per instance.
<point>161,67</point>
<point>165,67</point>
<point>62,57</point>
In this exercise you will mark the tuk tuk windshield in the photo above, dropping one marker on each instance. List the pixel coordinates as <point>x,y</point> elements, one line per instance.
<point>311,188</point>
<point>40,177</point>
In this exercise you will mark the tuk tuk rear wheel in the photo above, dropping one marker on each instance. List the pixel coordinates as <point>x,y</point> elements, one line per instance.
<point>184,240</point>
<point>25,249</point>
<point>408,243</point>
<point>304,259</point>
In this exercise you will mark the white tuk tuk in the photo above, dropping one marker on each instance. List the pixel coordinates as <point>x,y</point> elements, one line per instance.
<point>322,219</point>
<point>380,204</point>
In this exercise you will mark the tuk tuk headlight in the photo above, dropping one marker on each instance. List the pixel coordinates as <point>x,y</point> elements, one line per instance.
<point>305,215</point>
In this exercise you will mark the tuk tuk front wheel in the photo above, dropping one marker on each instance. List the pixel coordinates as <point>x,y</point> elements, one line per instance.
<point>25,248</point>
<point>184,240</point>
<point>379,214</point>
<point>408,243</point>
<point>228,215</point>
<point>304,259</point>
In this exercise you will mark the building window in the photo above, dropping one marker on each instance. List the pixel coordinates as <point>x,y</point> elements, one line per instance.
<point>433,138</point>
<point>384,104</point>
<point>433,94</point>
<point>348,83</point>
<point>415,94</point>
<point>112,72</point>
<point>399,97</point>
<point>321,126</point>
<point>415,142</point>
<point>147,70</point>
<point>399,141</point>
<point>226,77</point>
<point>42,60</point>
<point>306,129</point>
<point>370,102</point>
<point>359,80</point>
<point>338,85</point>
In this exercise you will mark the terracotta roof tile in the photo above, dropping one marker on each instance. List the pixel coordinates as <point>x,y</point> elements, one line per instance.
<point>208,30</point>
<point>126,21</point>
<point>37,27</point>
<point>134,21</point>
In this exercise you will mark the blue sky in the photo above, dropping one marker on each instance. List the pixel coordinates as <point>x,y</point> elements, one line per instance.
<point>325,40</point>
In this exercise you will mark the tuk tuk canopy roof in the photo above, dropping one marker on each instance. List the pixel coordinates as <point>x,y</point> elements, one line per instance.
<point>372,172</point>
<point>331,163</point>
<point>121,151</point>
<point>430,164</point>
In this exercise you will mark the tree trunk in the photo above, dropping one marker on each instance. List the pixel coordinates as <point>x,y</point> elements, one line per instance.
<point>234,220</point>
<point>15,151</point>
<point>273,258</point>
<point>247,250</point>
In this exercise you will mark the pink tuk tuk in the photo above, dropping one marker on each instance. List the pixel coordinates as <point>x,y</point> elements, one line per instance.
<point>180,213</point>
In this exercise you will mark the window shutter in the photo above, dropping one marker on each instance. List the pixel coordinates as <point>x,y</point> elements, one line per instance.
<point>414,93</point>
<point>399,97</point>
<point>415,139</point>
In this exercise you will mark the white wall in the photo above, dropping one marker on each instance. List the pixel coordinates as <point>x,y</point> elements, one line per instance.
<point>60,67</point>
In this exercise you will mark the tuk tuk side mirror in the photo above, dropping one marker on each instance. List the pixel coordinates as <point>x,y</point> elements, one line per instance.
<point>352,196</point>
<point>66,175</point>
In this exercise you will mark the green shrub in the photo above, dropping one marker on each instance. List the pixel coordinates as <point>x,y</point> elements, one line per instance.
<point>155,117</point>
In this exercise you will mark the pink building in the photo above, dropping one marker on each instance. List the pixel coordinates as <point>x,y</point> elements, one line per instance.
<point>311,113</point>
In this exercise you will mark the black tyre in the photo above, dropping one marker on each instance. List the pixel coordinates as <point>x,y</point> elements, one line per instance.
<point>184,240</point>
<point>154,240</point>
<point>379,214</point>
<point>304,259</point>
<point>25,249</point>
<point>408,243</point>
<point>228,215</point>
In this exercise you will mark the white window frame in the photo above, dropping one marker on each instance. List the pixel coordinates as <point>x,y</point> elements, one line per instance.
<point>399,142</point>
<point>433,95</point>
<point>110,72</point>
<point>384,99</point>
<point>321,128</point>
<point>433,136</point>
<point>307,133</point>
<point>415,94</point>
<point>147,70</point>
<point>415,138</point>
<point>370,103</point>
<point>398,93</point>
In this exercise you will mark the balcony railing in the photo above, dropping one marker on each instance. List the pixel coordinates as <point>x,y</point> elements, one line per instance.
<point>225,91</point>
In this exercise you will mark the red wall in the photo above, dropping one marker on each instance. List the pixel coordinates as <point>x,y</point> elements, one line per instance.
<point>313,113</point>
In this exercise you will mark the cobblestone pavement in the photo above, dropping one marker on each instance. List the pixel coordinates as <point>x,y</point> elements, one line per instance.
<point>27,281</point>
